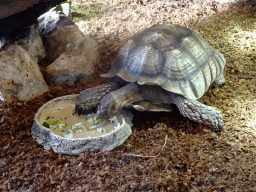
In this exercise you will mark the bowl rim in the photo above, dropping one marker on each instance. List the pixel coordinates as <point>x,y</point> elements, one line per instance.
<point>71,97</point>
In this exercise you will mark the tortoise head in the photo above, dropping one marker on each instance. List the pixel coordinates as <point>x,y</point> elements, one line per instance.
<point>108,107</point>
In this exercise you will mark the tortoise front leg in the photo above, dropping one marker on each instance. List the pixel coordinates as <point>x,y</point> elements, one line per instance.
<point>90,98</point>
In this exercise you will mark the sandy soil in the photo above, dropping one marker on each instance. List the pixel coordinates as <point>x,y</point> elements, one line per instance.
<point>166,151</point>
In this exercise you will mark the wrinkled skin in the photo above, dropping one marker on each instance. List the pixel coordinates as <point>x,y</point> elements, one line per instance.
<point>112,102</point>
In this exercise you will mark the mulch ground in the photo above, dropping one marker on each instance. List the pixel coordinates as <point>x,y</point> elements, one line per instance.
<point>166,152</point>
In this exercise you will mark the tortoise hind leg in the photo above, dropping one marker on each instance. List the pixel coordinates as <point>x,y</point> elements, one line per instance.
<point>199,112</point>
<point>220,81</point>
<point>90,98</point>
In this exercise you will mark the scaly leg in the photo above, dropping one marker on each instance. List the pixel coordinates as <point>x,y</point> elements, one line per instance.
<point>220,81</point>
<point>90,98</point>
<point>199,112</point>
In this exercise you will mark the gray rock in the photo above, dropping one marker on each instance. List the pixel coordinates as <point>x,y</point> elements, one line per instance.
<point>64,7</point>
<point>32,42</point>
<point>73,54</point>
<point>72,66</point>
<point>3,42</point>
<point>16,14</point>
<point>19,74</point>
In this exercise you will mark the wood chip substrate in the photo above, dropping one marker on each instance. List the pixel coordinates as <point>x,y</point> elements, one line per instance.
<point>166,152</point>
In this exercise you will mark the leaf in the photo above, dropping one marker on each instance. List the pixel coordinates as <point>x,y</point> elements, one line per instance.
<point>54,122</point>
<point>46,124</point>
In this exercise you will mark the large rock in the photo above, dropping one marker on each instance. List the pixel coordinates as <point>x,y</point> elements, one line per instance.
<point>3,42</point>
<point>72,66</point>
<point>20,74</point>
<point>73,54</point>
<point>16,14</point>
<point>64,7</point>
<point>31,41</point>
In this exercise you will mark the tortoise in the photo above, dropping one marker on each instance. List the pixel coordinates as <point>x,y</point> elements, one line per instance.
<point>159,66</point>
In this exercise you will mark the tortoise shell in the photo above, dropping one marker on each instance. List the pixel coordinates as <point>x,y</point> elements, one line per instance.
<point>174,57</point>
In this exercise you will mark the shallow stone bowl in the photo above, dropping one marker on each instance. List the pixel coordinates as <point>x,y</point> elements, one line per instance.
<point>74,146</point>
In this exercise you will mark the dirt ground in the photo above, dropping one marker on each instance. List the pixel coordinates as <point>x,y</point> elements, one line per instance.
<point>166,152</point>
